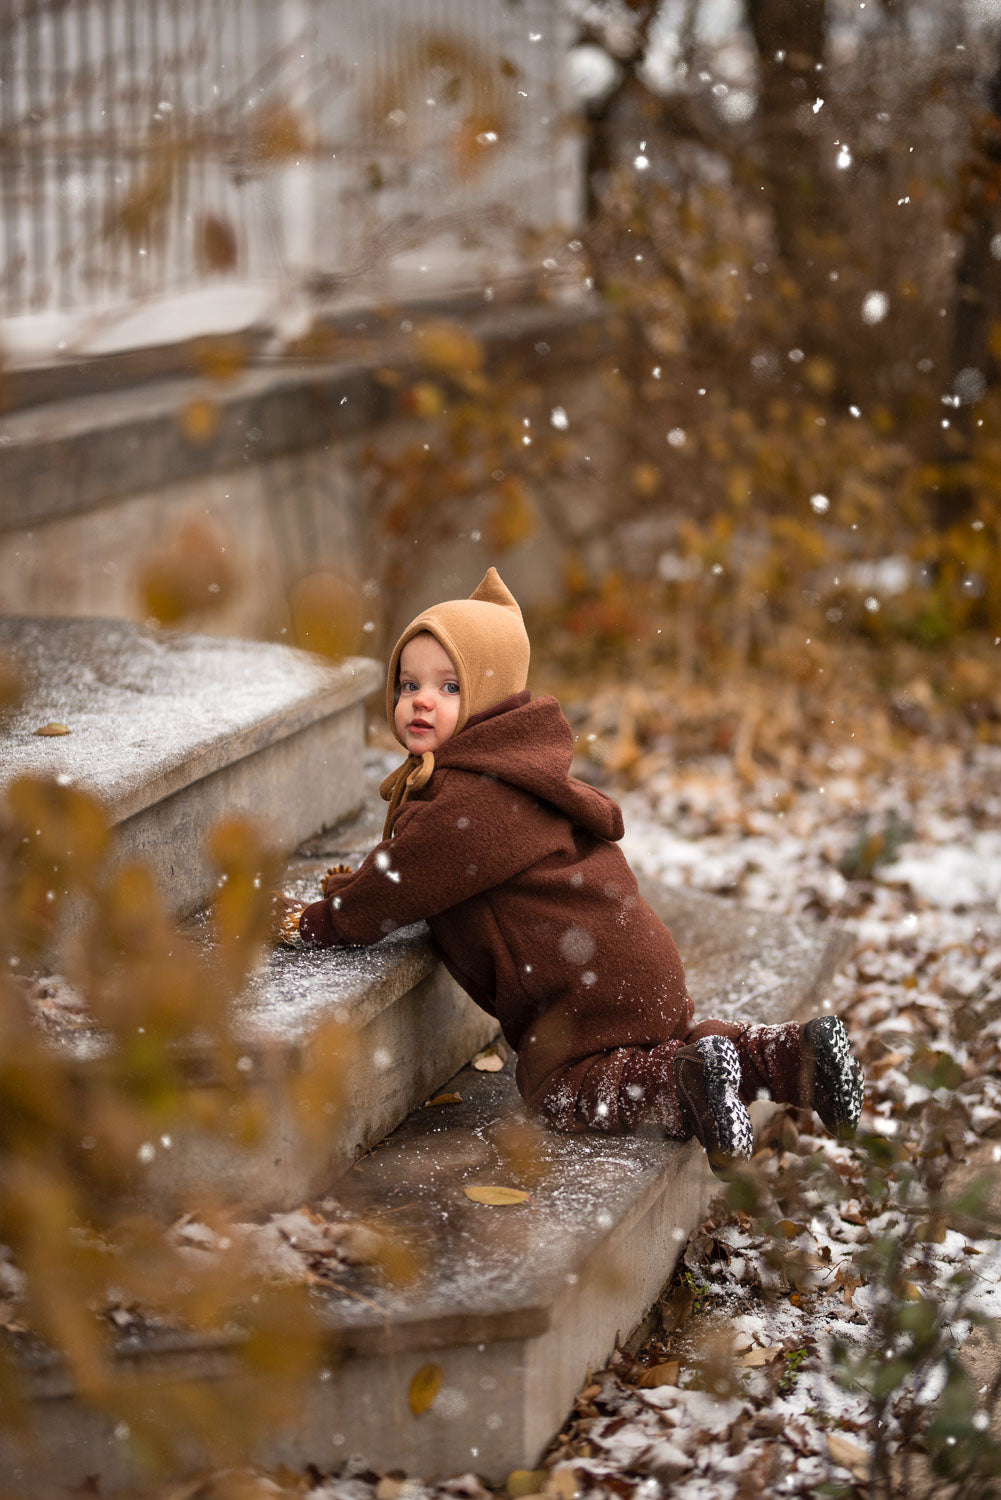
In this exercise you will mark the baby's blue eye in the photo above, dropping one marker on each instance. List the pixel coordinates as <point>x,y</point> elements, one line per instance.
<point>408,686</point>
<point>451,687</point>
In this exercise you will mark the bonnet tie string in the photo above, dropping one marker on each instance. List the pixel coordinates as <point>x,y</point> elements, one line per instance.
<point>414,773</point>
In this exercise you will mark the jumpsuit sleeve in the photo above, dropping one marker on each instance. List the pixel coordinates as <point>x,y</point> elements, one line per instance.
<point>475,833</point>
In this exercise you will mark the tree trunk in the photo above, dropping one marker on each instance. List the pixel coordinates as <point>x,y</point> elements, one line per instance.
<point>790,38</point>
<point>976,301</point>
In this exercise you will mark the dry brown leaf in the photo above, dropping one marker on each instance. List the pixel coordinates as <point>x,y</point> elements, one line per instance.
<point>217,247</point>
<point>755,1358</point>
<point>911,1292</point>
<point>665,1374</point>
<point>391,1489</point>
<point>444,1099</point>
<point>789,1228</point>
<point>849,1455</point>
<point>489,1061</point>
<point>497,1197</point>
<point>53,729</point>
<point>424,1387</point>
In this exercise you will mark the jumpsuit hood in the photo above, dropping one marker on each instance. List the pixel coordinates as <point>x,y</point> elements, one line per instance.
<point>528,744</point>
<point>486,639</point>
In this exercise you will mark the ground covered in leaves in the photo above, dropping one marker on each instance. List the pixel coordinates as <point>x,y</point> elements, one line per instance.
<point>830,1328</point>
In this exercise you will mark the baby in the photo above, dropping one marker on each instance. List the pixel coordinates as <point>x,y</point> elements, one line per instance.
<point>515,866</point>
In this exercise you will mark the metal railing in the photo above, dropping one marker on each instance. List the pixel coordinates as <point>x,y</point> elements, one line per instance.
<point>150,147</point>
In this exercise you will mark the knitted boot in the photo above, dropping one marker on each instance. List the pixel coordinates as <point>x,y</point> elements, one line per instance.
<point>831,1076</point>
<point>811,1066</point>
<point>707,1077</point>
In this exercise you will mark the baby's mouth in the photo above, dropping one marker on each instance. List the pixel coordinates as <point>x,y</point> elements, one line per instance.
<point>419,724</point>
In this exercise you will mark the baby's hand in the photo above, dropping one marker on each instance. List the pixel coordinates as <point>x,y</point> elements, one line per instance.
<point>285,928</point>
<point>330,882</point>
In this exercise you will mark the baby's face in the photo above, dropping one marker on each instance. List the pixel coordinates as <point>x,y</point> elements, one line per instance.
<point>427,709</point>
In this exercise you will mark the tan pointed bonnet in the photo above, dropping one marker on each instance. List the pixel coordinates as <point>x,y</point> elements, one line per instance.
<point>487,642</point>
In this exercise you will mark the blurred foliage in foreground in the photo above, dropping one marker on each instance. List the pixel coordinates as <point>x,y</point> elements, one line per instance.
<point>91,1099</point>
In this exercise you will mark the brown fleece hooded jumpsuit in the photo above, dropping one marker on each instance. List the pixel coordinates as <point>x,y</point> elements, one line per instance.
<point>515,866</point>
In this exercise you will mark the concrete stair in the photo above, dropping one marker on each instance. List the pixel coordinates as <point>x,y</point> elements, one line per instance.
<point>512,1304</point>
<point>176,732</point>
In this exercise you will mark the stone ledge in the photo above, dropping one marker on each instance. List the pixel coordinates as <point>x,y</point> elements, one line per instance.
<point>75,455</point>
<point>176,732</point>
<point>151,713</point>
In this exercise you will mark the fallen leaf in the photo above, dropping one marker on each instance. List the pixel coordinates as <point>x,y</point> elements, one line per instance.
<point>562,1483</point>
<point>496,1196</point>
<point>444,1099</point>
<point>52,729</point>
<point>911,1292</point>
<point>199,420</point>
<point>489,1061</point>
<point>391,1489</point>
<point>524,1482</point>
<point>665,1374</point>
<point>848,1282</point>
<point>789,1228</point>
<point>849,1455</point>
<point>424,1387</point>
<point>217,247</point>
<point>755,1358</point>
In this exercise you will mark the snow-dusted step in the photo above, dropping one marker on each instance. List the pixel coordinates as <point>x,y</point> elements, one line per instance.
<point>176,732</point>
<point>515,1303</point>
<point>408,1028</point>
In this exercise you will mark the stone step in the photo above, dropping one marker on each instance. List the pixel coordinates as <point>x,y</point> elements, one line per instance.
<point>513,1305</point>
<point>176,732</point>
<point>408,1028</point>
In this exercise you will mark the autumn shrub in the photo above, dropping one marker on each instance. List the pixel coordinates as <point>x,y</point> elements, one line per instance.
<point>102,1072</point>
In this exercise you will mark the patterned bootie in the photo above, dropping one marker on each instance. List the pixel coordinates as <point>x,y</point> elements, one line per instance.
<point>707,1078</point>
<point>831,1075</point>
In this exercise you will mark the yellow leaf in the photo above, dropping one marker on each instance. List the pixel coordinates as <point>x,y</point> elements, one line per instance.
<point>513,518</point>
<point>646,479</point>
<point>665,1374</point>
<point>497,1197</point>
<point>424,1387</point>
<point>221,358</point>
<point>424,399</point>
<point>524,1482</point>
<point>849,1455</point>
<point>327,614</point>
<point>789,1228</point>
<point>911,1293</point>
<point>199,420</point>
<point>489,1061</point>
<point>51,729</point>
<point>444,1099</point>
<point>448,347</point>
